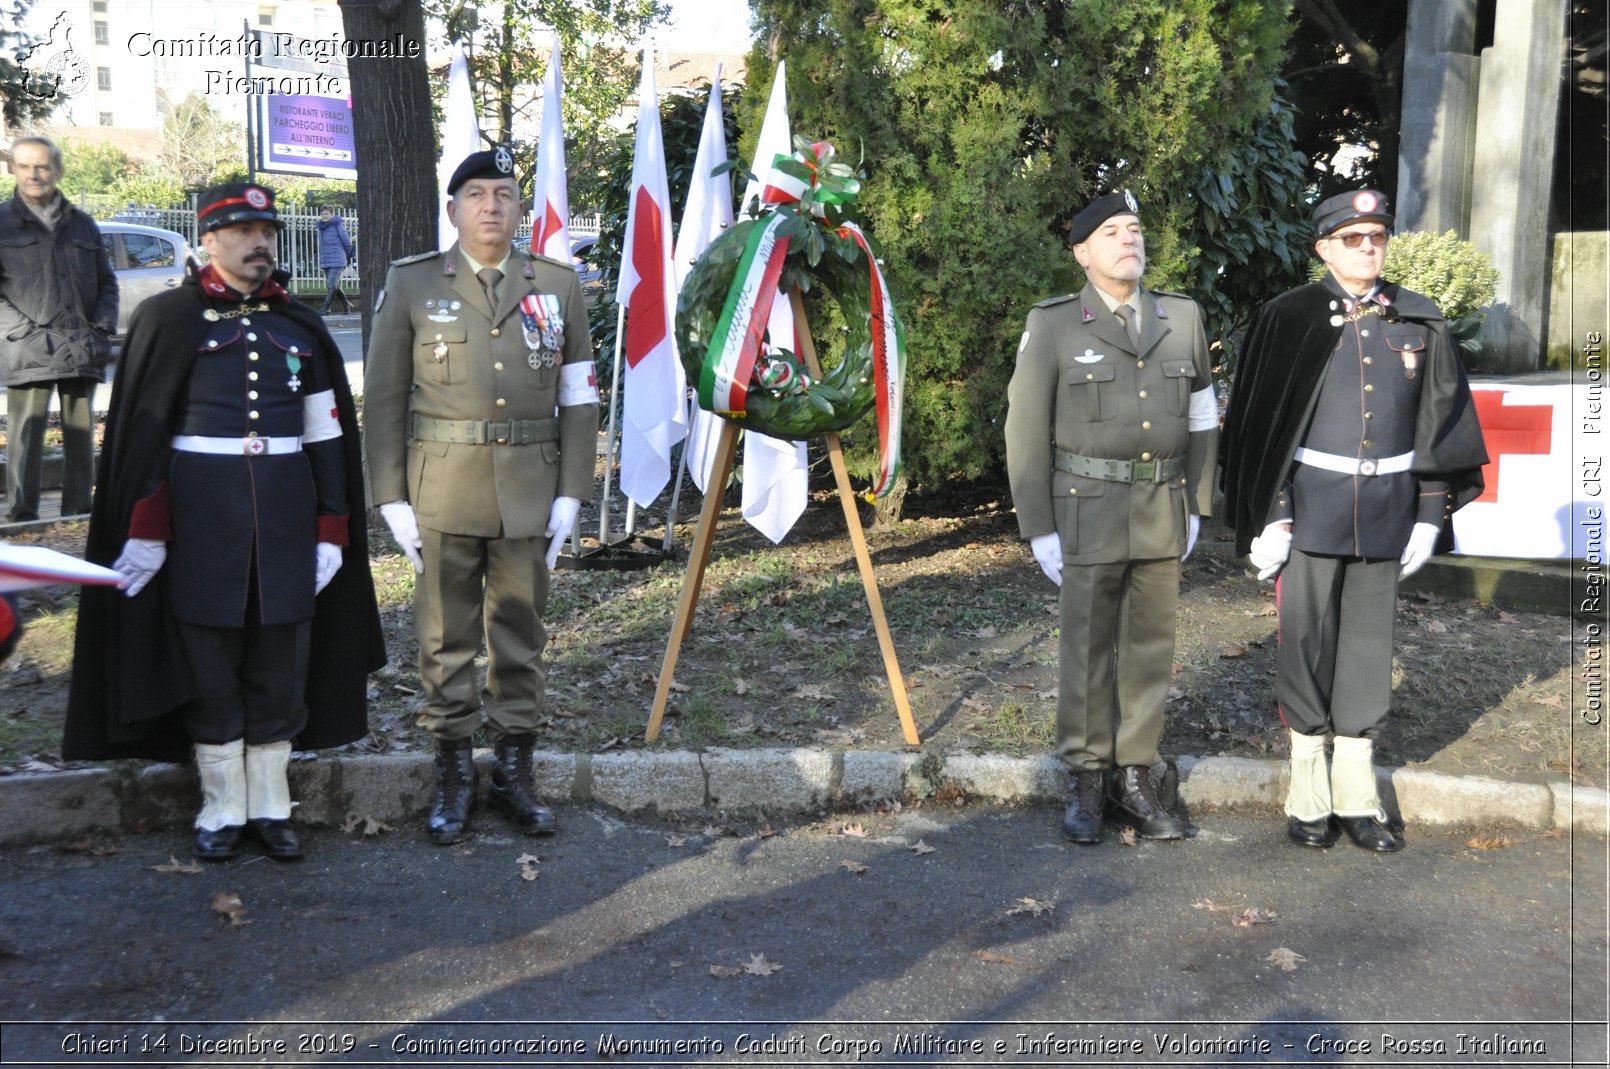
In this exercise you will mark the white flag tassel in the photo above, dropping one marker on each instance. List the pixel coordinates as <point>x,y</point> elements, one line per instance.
<point>707,213</point>
<point>550,204</point>
<point>655,388</point>
<point>461,135</point>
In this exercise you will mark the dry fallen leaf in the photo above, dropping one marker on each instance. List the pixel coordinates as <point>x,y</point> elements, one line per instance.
<point>1127,836</point>
<point>228,904</point>
<point>766,831</point>
<point>1267,610</point>
<point>367,824</point>
<point>724,972</point>
<point>188,868</point>
<point>674,839</point>
<point>1284,957</point>
<point>1230,653</point>
<point>757,965</point>
<point>528,866</point>
<point>1487,842</point>
<point>1032,906</point>
<point>1246,918</point>
<point>994,958</point>
<point>1209,904</point>
<point>1554,833</point>
<point>854,830</point>
<point>714,831</point>
<point>854,866</point>
<point>739,687</point>
<point>920,847</point>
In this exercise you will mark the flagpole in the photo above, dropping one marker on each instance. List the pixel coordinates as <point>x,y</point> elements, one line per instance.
<point>609,448</point>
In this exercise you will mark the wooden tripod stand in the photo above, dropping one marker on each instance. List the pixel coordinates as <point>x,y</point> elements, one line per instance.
<point>704,539</point>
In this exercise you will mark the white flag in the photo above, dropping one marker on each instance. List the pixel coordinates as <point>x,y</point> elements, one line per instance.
<point>550,200</point>
<point>707,213</point>
<point>655,405</point>
<point>461,135</point>
<point>775,472</point>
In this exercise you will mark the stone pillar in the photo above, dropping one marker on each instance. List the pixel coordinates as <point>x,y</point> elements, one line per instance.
<point>1438,122</point>
<point>1516,124</point>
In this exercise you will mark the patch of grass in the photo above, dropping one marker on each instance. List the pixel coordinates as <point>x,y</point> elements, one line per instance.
<point>1014,726</point>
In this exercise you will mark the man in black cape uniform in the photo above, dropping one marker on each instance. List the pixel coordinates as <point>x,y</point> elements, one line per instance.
<point>231,424</point>
<point>1350,440</point>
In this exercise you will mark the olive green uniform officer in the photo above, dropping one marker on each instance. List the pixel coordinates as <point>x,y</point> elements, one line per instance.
<point>480,427</point>
<point>1111,437</point>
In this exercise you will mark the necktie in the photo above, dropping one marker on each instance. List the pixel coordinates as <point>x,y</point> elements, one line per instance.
<point>1127,314</point>
<point>489,279</point>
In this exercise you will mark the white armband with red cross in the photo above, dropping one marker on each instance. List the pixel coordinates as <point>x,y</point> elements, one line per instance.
<point>320,420</point>
<point>578,385</point>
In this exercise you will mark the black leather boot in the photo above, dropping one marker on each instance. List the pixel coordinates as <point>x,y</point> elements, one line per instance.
<point>456,783</point>
<point>1132,800</point>
<point>1082,821</point>
<point>513,792</point>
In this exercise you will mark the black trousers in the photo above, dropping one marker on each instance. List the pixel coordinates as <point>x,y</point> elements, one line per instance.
<point>1335,661</point>
<point>250,682</point>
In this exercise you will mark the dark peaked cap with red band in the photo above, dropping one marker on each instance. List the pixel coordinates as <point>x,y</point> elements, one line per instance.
<point>1099,211</point>
<point>1367,205</point>
<point>236,202</point>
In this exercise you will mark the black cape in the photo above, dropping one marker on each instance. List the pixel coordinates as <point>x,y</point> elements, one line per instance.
<point>130,677</point>
<point>1277,384</point>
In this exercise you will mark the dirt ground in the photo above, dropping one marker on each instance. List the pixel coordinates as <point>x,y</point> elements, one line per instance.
<point>782,652</point>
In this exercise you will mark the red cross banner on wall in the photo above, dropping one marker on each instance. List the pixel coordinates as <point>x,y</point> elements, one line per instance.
<point>1533,500</point>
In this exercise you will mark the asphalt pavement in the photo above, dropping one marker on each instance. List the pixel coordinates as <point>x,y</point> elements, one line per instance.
<point>970,935</point>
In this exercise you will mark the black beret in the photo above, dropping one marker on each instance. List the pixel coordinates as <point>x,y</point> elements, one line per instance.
<point>491,163</point>
<point>235,202</point>
<point>1335,212</point>
<point>1099,211</point>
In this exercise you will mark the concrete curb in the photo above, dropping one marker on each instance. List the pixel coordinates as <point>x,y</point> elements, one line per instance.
<point>397,789</point>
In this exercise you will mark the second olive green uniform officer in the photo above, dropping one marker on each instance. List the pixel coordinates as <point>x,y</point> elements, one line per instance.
<point>1111,435</point>
<point>481,425</point>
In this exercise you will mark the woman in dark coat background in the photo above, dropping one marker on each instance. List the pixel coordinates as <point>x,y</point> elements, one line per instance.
<point>335,253</point>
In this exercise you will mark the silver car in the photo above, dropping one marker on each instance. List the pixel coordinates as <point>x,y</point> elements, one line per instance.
<point>147,260</point>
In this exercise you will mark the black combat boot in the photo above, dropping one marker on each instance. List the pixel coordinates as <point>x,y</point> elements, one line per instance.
<point>514,792</point>
<point>1133,801</point>
<point>1082,822</point>
<point>456,783</point>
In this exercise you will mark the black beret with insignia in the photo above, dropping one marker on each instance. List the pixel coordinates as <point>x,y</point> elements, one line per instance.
<point>491,163</point>
<point>1099,211</point>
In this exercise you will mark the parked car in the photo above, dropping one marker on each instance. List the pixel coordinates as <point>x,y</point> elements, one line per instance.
<point>147,260</point>
<point>581,257</point>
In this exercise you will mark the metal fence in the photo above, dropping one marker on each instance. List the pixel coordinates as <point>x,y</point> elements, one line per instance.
<point>299,238</point>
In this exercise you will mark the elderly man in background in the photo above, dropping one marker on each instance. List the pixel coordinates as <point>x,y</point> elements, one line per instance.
<point>58,310</point>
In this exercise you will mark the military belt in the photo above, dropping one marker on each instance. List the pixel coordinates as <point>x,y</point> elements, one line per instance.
<point>1161,470</point>
<point>486,432</point>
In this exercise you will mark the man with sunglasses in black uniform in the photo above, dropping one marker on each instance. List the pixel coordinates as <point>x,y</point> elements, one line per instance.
<point>1350,440</point>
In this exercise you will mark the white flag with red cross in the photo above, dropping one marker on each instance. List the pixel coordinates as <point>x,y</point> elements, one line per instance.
<point>550,200</point>
<point>655,389</point>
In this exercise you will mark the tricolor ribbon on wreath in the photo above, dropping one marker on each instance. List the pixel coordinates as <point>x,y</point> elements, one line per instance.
<point>728,369</point>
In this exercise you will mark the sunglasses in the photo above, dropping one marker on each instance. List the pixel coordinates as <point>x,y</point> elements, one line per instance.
<point>1376,238</point>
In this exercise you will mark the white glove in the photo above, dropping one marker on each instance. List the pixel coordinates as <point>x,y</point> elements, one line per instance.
<point>561,521</point>
<point>326,565</point>
<point>1422,544</point>
<point>139,563</point>
<point>1271,550</point>
<point>1048,552</point>
<point>399,516</point>
<point>1193,527</point>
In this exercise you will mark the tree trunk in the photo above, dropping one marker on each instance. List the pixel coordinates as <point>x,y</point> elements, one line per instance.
<point>395,140</point>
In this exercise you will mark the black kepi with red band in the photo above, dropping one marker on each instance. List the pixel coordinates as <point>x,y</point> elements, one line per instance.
<point>236,202</point>
<point>1364,206</point>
